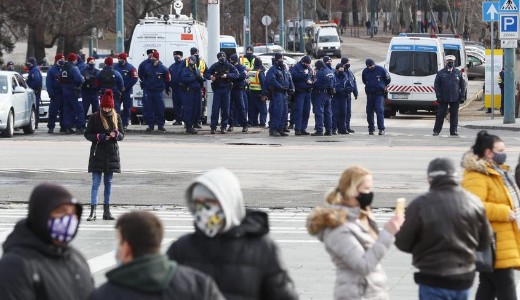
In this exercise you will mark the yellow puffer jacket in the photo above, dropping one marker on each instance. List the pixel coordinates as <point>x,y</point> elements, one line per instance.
<point>482,180</point>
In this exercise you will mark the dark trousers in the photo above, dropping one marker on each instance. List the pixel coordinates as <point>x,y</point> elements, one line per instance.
<point>221,99</point>
<point>339,110</point>
<point>38,94</point>
<point>500,284</point>
<point>277,110</point>
<point>321,107</point>
<point>153,108</point>
<point>441,114</point>
<point>191,100</point>
<point>177,95</point>
<point>72,110</point>
<point>238,115</point>
<point>90,97</point>
<point>127,102</point>
<point>257,108</point>
<point>302,110</point>
<point>55,108</point>
<point>375,104</point>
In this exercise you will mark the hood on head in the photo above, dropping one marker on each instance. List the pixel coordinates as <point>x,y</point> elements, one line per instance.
<point>226,187</point>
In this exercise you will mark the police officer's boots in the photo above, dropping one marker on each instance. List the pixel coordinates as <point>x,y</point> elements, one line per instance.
<point>92,216</point>
<point>106,212</point>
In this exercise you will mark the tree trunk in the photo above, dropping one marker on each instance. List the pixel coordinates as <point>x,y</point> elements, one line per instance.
<point>407,15</point>
<point>355,18</point>
<point>36,42</point>
<point>394,21</point>
<point>72,44</point>
<point>462,18</point>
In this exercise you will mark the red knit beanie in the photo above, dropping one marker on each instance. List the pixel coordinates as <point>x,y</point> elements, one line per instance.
<point>122,56</point>
<point>58,57</point>
<point>90,58</point>
<point>107,100</point>
<point>72,57</point>
<point>156,55</point>
<point>109,61</point>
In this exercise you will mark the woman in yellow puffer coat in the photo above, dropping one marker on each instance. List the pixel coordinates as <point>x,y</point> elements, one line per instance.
<point>486,176</point>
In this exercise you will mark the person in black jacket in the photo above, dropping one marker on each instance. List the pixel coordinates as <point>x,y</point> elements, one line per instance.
<point>144,273</point>
<point>38,261</point>
<point>231,244</point>
<point>443,228</point>
<point>104,130</point>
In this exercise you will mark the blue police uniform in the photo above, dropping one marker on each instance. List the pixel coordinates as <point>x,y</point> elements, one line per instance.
<point>321,97</point>
<point>221,92</point>
<point>156,79</point>
<point>34,81</point>
<point>301,75</point>
<point>129,75</point>
<point>279,83</point>
<point>89,90</point>
<point>109,78</point>
<point>344,85</point>
<point>375,80</point>
<point>449,89</point>
<point>191,80</point>
<point>238,112</point>
<point>177,91</point>
<point>56,97</point>
<point>71,81</point>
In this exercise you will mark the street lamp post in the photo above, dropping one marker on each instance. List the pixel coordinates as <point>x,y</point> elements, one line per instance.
<point>120,26</point>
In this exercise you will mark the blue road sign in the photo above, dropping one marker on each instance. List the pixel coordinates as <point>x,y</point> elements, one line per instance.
<point>509,6</point>
<point>490,11</point>
<point>509,26</point>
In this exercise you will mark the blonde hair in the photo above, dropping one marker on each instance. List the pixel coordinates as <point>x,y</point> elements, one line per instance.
<point>348,183</point>
<point>113,119</point>
<point>325,217</point>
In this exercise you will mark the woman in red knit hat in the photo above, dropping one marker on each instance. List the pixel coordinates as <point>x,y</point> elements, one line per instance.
<point>104,130</point>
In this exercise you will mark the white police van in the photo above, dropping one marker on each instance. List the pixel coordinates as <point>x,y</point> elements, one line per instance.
<point>165,33</point>
<point>413,63</point>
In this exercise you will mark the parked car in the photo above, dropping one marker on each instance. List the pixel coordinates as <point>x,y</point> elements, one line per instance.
<point>17,104</point>
<point>477,68</point>
<point>269,48</point>
<point>267,60</point>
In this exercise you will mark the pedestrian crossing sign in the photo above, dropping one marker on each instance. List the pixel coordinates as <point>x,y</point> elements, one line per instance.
<point>509,6</point>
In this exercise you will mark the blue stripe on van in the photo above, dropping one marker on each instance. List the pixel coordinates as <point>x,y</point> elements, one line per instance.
<point>227,45</point>
<point>421,48</point>
<point>451,46</point>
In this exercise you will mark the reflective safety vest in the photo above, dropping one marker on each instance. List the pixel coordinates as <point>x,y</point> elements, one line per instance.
<point>248,64</point>
<point>201,66</point>
<point>254,80</point>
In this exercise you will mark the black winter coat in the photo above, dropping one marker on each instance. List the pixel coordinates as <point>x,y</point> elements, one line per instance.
<point>450,86</point>
<point>104,155</point>
<point>244,261</point>
<point>32,269</point>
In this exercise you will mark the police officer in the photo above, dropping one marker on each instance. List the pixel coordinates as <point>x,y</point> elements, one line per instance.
<point>55,93</point>
<point>322,91</point>
<point>279,83</point>
<point>175,84</point>
<point>351,88</point>
<point>375,78</point>
<point>34,81</point>
<point>238,112</point>
<point>301,74</point>
<point>71,81</point>
<point>108,78</point>
<point>156,79</point>
<point>89,90</point>
<point>200,64</point>
<point>221,74</point>
<point>142,65</point>
<point>248,60</point>
<point>328,62</point>
<point>449,90</point>
<point>344,85</point>
<point>129,75</point>
<point>257,97</point>
<point>192,81</point>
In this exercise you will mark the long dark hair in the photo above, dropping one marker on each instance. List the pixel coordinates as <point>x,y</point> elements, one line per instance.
<point>484,141</point>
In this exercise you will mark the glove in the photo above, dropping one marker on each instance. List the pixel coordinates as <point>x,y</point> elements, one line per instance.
<point>167,90</point>
<point>461,101</point>
<point>355,97</point>
<point>290,92</point>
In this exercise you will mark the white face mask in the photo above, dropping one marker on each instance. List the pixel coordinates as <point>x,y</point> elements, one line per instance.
<point>209,218</point>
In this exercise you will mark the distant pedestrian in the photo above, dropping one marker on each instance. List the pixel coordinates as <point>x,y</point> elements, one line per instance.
<point>35,82</point>
<point>443,229</point>
<point>376,79</point>
<point>352,238</point>
<point>38,261</point>
<point>486,175</point>
<point>104,130</point>
<point>230,243</point>
<point>367,25</point>
<point>142,272</point>
<point>450,90</point>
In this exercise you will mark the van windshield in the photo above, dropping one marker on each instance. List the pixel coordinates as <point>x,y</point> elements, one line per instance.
<point>454,52</point>
<point>328,38</point>
<point>413,63</point>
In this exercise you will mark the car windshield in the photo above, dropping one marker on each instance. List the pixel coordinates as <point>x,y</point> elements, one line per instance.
<point>454,52</point>
<point>328,38</point>
<point>3,85</point>
<point>420,64</point>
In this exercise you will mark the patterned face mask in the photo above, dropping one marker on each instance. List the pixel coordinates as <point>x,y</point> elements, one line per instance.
<point>209,218</point>
<point>63,229</point>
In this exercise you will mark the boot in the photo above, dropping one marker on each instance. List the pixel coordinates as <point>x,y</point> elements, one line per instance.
<point>106,212</point>
<point>92,216</point>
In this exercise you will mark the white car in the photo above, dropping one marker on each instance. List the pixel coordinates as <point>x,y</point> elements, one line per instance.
<point>17,104</point>
<point>267,60</point>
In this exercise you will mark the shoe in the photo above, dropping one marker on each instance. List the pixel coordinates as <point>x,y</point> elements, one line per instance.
<point>435,133</point>
<point>285,129</point>
<point>161,129</point>
<point>230,129</point>
<point>212,131</point>
<point>244,129</point>
<point>291,126</point>
<point>80,131</point>
<point>274,133</point>
<point>197,126</point>
<point>36,126</point>
<point>190,130</point>
<point>371,133</point>
<point>350,131</point>
<point>106,212</point>
<point>149,129</point>
<point>297,132</point>
<point>69,131</point>
<point>334,132</point>
<point>317,134</point>
<point>328,133</point>
<point>176,123</point>
<point>381,132</point>
<point>222,131</point>
<point>282,133</point>
<point>63,129</point>
<point>454,134</point>
<point>343,132</point>
<point>303,132</point>
<point>92,216</point>
<point>51,130</point>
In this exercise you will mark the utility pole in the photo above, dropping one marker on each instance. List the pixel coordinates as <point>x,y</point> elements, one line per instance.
<point>281,23</point>
<point>194,9</point>
<point>247,21</point>
<point>302,16</point>
<point>120,26</point>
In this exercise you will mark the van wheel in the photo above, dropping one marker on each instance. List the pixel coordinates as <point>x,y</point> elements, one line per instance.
<point>9,130</point>
<point>31,127</point>
<point>390,112</point>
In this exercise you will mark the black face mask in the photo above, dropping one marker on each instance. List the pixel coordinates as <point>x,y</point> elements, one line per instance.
<point>365,199</point>
<point>347,66</point>
<point>177,59</point>
<point>280,63</point>
<point>107,113</point>
<point>450,65</point>
<point>222,60</point>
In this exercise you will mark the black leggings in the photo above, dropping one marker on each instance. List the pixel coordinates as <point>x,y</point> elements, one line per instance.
<point>500,284</point>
